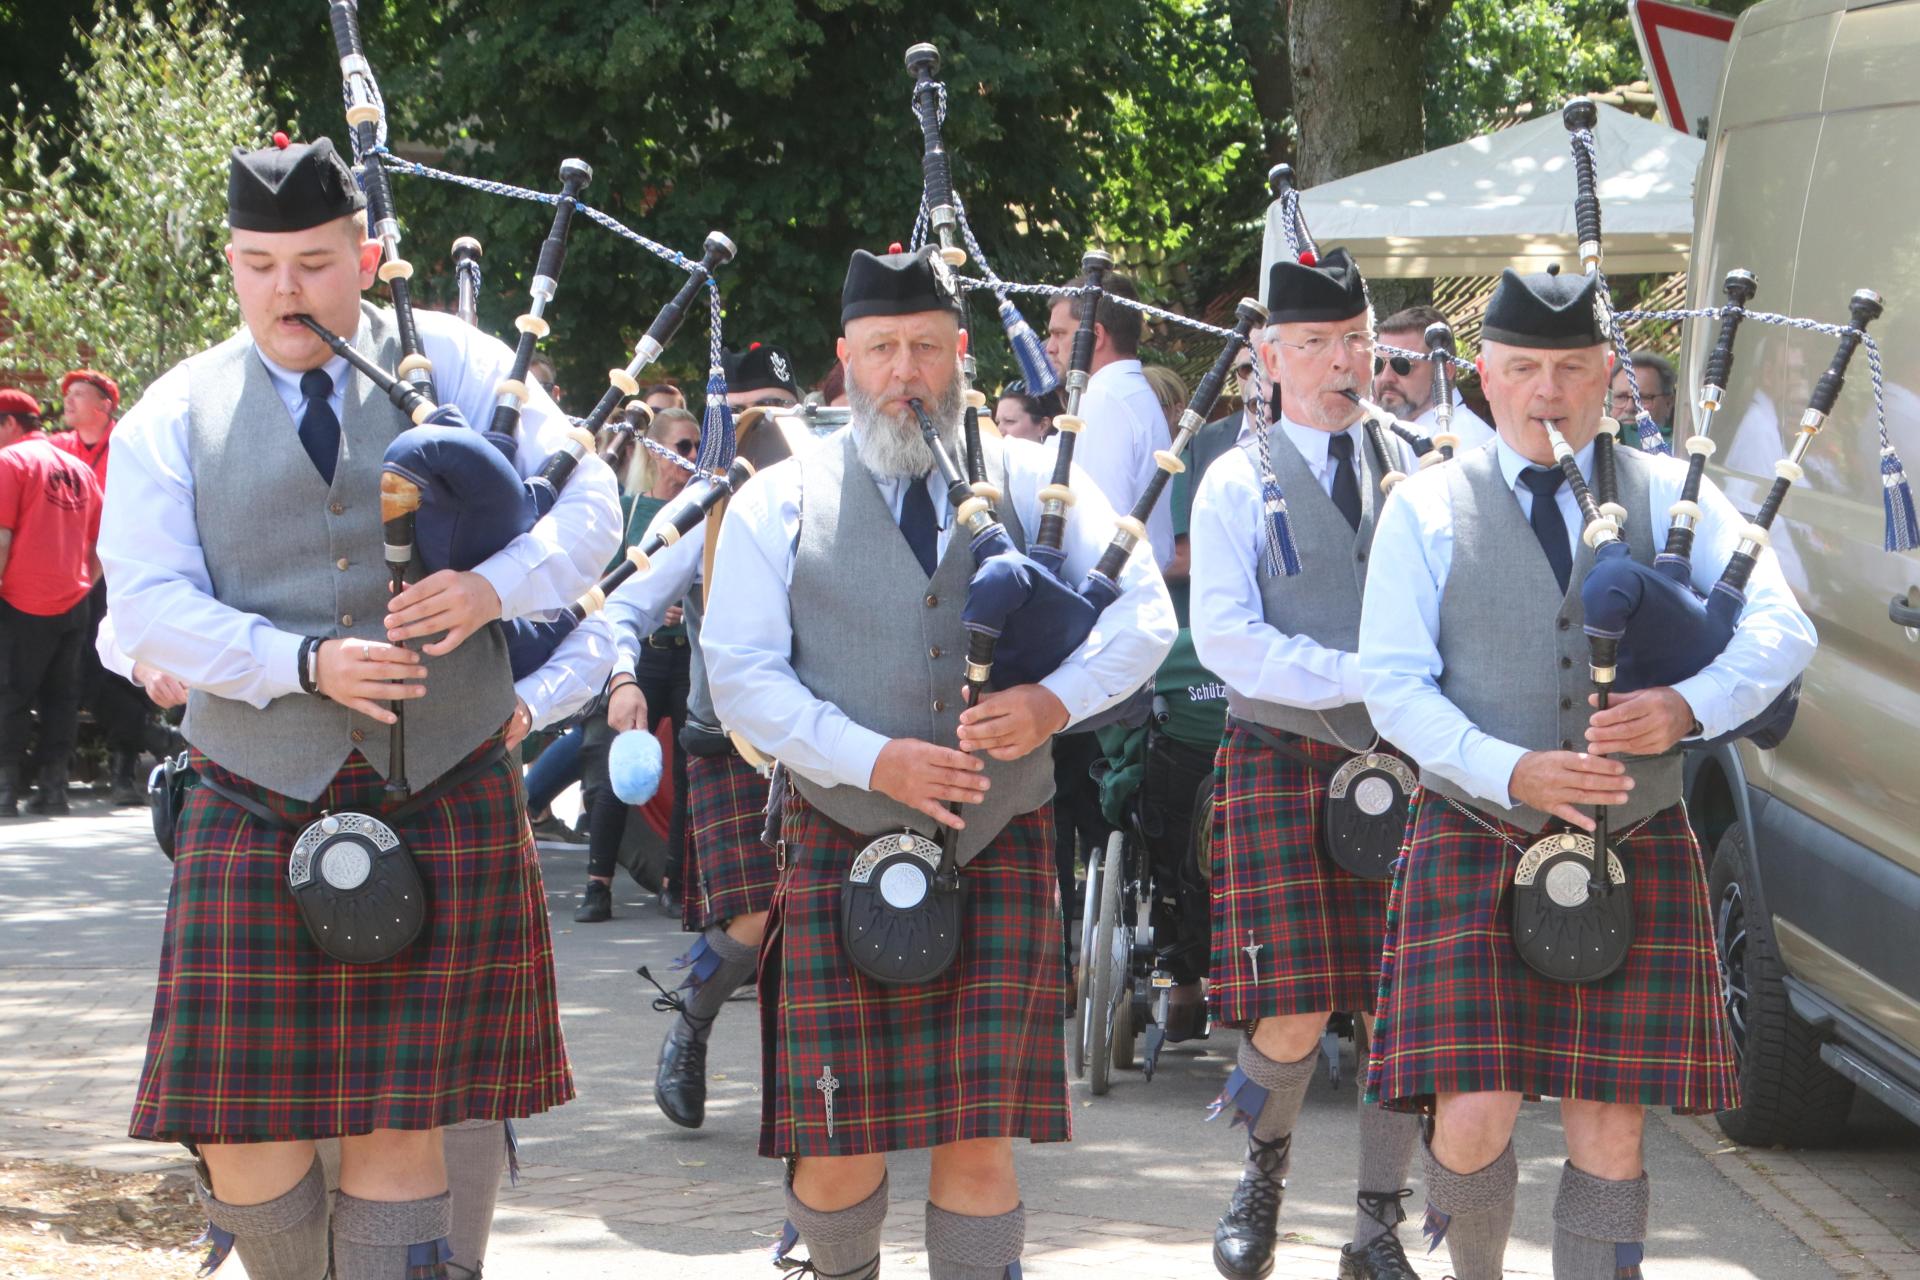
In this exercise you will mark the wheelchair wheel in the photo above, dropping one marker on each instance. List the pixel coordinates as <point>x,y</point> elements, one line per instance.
<point>1126,1027</point>
<point>1083,972</point>
<point>1111,961</point>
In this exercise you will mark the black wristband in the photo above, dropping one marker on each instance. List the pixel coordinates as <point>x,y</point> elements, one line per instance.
<point>307,666</point>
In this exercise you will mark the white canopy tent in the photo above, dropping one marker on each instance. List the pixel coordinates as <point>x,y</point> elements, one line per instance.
<point>1506,200</point>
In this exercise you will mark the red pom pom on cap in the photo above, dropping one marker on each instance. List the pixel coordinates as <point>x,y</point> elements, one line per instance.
<point>1308,258</point>
<point>281,140</point>
<point>895,247</point>
<point>753,346</point>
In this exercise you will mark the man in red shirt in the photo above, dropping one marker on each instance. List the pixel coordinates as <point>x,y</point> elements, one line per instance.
<point>49,523</point>
<point>120,712</point>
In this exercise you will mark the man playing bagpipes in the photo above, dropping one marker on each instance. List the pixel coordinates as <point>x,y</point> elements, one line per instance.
<point>245,557</point>
<point>1312,803</point>
<point>1512,970</point>
<point>910,985</point>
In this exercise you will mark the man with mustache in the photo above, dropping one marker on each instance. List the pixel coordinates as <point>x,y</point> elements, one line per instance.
<point>1296,938</point>
<point>834,642</point>
<point>1475,662</point>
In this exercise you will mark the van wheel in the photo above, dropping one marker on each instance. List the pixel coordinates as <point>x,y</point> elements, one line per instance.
<point>1789,1096</point>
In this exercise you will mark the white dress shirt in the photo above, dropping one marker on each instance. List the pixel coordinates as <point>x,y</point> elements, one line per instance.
<point>1125,425</point>
<point>748,635</point>
<point>1400,619</point>
<point>1230,632</point>
<point>158,587</point>
<point>1468,425</point>
<point>638,608</point>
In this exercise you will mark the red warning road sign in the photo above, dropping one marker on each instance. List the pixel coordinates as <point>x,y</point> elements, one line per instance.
<point>1685,49</point>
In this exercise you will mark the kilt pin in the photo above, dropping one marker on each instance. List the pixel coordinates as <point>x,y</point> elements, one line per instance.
<point>1292,932</point>
<point>852,1067</point>
<point>1461,1013</point>
<point>258,1036</point>
<point>730,869</point>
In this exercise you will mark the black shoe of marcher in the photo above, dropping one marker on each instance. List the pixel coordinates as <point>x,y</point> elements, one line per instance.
<point>1244,1239</point>
<point>1382,1259</point>
<point>596,904</point>
<point>9,792</point>
<point>680,1082</point>
<point>125,789</point>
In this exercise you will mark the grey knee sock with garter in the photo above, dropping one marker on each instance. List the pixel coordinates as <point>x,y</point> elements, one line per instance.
<point>963,1247</point>
<point>390,1239</point>
<point>283,1239</point>
<point>1473,1212</point>
<point>1388,1140</point>
<point>1286,1089</point>
<point>842,1244</point>
<point>737,962</point>
<point>476,1153</point>
<point>1599,1226</point>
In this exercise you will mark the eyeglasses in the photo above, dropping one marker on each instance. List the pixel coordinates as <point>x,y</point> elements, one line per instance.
<point>1358,342</point>
<point>1401,365</point>
<point>685,447</point>
<point>1243,371</point>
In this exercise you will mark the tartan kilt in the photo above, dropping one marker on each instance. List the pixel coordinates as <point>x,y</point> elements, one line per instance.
<point>730,869</point>
<point>976,1053</point>
<point>1460,1012</point>
<point>258,1036</point>
<point>1318,926</point>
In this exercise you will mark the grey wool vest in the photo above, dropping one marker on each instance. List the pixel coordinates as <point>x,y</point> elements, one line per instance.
<point>279,543</point>
<point>1512,649</point>
<point>699,694</point>
<point>1322,601</point>
<point>874,636</point>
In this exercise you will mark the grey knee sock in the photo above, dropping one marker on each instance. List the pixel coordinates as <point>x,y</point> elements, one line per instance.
<point>390,1240</point>
<point>842,1244</point>
<point>476,1153</point>
<point>963,1247</point>
<point>1599,1226</point>
<point>730,967</point>
<point>282,1239</point>
<point>1388,1140</point>
<point>1474,1213</point>
<point>1286,1087</point>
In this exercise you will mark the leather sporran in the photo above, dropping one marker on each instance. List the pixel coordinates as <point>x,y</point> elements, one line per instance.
<point>1562,927</point>
<point>1364,823</point>
<point>167,788</point>
<point>901,910</point>
<point>357,888</point>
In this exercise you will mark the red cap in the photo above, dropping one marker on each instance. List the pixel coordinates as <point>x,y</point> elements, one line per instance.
<point>99,381</point>
<point>281,140</point>
<point>14,400</point>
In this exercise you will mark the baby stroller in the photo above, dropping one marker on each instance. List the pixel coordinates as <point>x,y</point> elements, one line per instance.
<point>1145,934</point>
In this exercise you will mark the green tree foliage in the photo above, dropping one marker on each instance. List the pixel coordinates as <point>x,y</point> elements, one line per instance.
<point>114,248</point>
<point>1492,56</point>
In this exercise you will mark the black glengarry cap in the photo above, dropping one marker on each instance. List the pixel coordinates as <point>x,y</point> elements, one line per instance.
<point>1330,289</point>
<point>290,186</point>
<point>761,367</point>
<point>896,284</point>
<point>1547,310</point>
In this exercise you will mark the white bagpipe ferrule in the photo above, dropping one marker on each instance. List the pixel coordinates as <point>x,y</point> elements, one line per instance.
<point>640,560</point>
<point>415,364</point>
<point>624,381</point>
<point>1685,515</point>
<point>1129,533</point>
<point>1610,425</point>
<point>423,410</point>
<point>1755,536</point>
<point>533,324</point>
<point>1561,449</point>
<point>975,398</point>
<point>364,113</point>
<point>396,269</point>
<point>1789,470</point>
<point>1168,461</point>
<point>1614,512</point>
<point>954,256</point>
<point>511,390</point>
<point>1701,446</point>
<point>1446,441</point>
<point>1055,499</point>
<point>977,672</point>
<point>582,439</point>
<point>668,533</point>
<point>1392,478</point>
<point>1069,423</point>
<point>1431,458</point>
<point>1602,675</point>
<point>1600,532</point>
<point>593,602</point>
<point>973,509</point>
<point>986,492</point>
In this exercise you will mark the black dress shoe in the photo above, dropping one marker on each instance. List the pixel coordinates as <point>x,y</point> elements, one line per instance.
<point>680,1082</point>
<point>596,904</point>
<point>1382,1259</point>
<point>125,789</point>
<point>1243,1241</point>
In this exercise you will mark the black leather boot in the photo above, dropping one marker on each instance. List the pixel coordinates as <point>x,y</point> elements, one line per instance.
<point>51,798</point>
<point>9,791</point>
<point>596,904</point>
<point>126,790</point>
<point>680,1081</point>
<point>1381,1258</point>
<point>1243,1241</point>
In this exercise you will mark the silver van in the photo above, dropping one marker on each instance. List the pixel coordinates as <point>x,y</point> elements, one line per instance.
<point>1812,181</point>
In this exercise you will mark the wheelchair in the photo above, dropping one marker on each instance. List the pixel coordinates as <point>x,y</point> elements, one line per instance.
<point>1145,933</point>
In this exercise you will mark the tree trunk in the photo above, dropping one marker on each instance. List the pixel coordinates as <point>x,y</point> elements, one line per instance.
<point>1358,80</point>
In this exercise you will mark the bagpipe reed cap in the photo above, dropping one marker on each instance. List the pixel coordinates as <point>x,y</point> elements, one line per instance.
<point>719,248</point>
<point>466,247</point>
<point>1250,309</point>
<point>1439,337</point>
<point>923,55</point>
<point>1741,285</point>
<point>1865,305</point>
<point>1280,180</point>
<point>1096,260</point>
<point>576,171</point>
<point>1580,114</point>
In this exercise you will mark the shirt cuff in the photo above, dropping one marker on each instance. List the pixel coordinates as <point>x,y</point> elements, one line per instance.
<point>1710,709</point>
<point>1490,763</point>
<point>1077,690</point>
<point>504,576</point>
<point>282,663</point>
<point>853,760</point>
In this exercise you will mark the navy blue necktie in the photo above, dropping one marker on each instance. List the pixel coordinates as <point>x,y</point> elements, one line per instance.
<point>319,428</point>
<point>1548,524</point>
<point>917,525</point>
<point>1346,485</point>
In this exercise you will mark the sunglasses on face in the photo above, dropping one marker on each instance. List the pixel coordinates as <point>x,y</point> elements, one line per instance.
<point>1401,365</point>
<point>685,448</point>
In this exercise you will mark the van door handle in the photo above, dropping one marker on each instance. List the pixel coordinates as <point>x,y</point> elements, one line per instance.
<point>1905,615</point>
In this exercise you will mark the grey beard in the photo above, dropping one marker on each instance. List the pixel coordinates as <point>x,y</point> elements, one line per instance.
<point>890,445</point>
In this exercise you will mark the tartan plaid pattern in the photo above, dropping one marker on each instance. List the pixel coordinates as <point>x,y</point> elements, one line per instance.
<point>1318,928</point>
<point>1460,1011</point>
<point>730,870</point>
<point>977,1053</point>
<point>258,1036</point>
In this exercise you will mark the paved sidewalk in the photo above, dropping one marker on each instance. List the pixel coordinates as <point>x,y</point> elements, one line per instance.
<point>610,1189</point>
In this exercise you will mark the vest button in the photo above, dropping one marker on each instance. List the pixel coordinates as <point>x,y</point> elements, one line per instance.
<point>1565,663</point>
<point>1361,556</point>
<point>933,601</point>
<point>1566,704</point>
<point>1566,744</point>
<point>341,564</point>
<point>337,508</point>
<point>346,619</point>
<point>935,652</point>
<point>939,704</point>
<point>1562,623</point>
<point>358,736</point>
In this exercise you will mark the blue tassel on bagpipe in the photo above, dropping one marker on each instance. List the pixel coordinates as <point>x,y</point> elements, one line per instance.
<point>716,431</point>
<point>1246,1097</point>
<point>1651,441</point>
<point>1028,351</point>
<point>1903,533</point>
<point>219,1242</point>
<point>1282,553</point>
